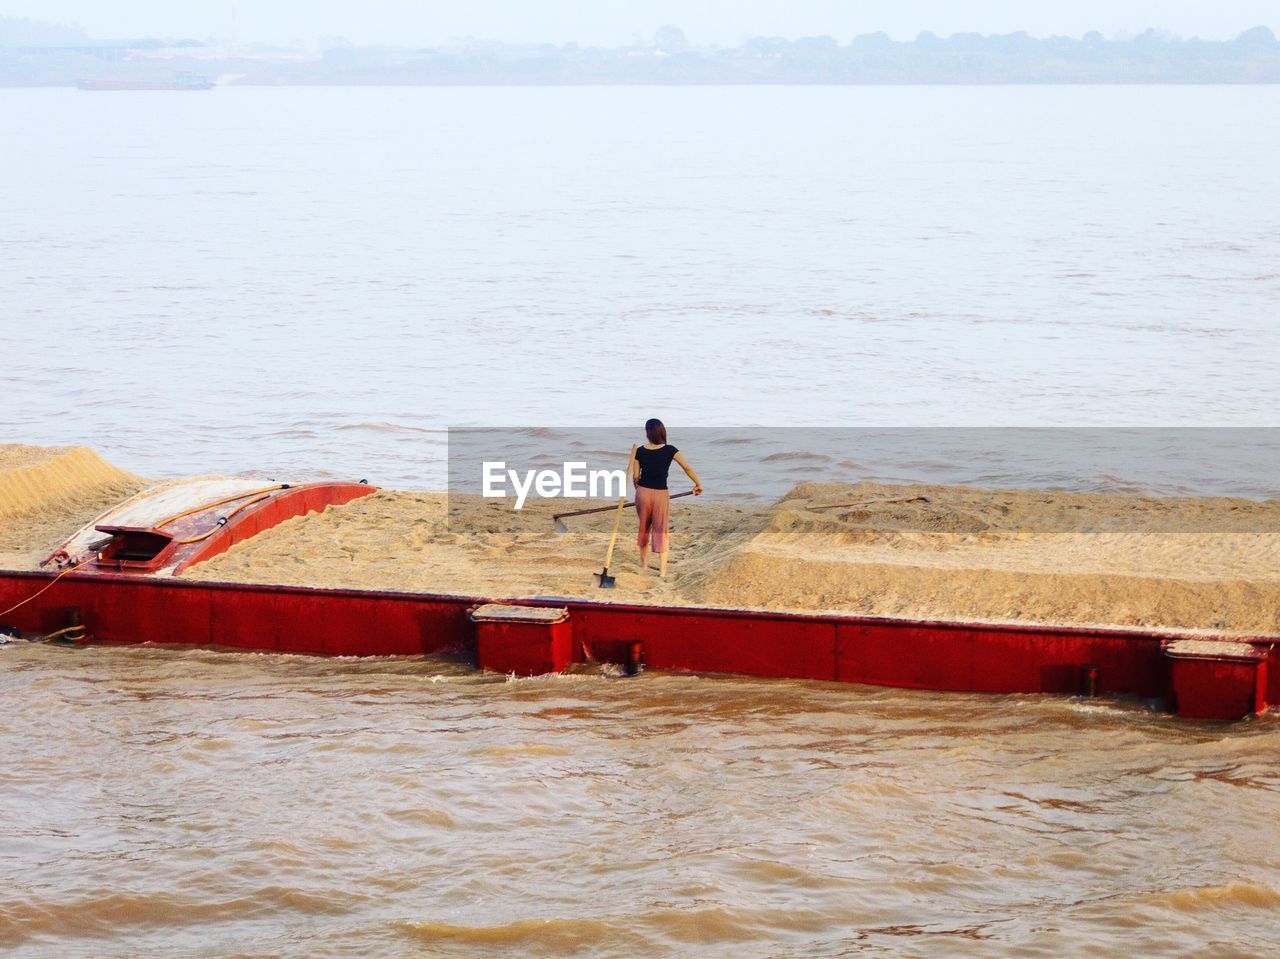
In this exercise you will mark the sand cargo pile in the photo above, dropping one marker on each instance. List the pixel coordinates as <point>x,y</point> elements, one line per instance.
<point>913,551</point>
<point>46,493</point>
<point>38,479</point>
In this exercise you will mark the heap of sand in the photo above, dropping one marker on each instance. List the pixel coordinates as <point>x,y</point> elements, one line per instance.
<point>47,493</point>
<point>924,552</point>
<point>920,552</point>
<point>429,542</point>
<point>1044,556</point>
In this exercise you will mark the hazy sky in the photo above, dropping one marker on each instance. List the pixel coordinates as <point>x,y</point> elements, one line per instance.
<point>620,21</point>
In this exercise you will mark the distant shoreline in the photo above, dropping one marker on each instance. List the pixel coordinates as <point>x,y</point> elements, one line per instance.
<point>964,59</point>
<point>499,84</point>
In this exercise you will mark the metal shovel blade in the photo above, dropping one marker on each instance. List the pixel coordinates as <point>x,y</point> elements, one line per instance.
<point>559,527</point>
<point>603,579</point>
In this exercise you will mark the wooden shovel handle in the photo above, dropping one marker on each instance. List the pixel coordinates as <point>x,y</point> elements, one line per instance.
<point>617,521</point>
<point>605,509</point>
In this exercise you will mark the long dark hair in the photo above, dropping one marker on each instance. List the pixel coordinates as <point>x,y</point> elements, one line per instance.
<point>656,432</point>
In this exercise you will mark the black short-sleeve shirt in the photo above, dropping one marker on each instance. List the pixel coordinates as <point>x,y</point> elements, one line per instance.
<point>654,465</point>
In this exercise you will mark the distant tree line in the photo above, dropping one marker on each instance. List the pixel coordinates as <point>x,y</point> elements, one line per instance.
<point>19,32</point>
<point>35,54</point>
<point>1150,57</point>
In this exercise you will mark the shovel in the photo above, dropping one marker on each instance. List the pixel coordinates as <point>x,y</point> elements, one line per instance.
<point>602,578</point>
<point>559,518</point>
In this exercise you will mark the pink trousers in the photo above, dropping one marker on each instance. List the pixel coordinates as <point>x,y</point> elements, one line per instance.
<point>653,508</point>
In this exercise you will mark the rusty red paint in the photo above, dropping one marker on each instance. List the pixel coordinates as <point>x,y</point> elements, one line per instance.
<point>524,649</point>
<point>995,658</point>
<point>1227,688</point>
<point>134,549</point>
<point>204,533</point>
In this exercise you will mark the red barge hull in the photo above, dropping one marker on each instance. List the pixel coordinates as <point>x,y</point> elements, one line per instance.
<point>997,658</point>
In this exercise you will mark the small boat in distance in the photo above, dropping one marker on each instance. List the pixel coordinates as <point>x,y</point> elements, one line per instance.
<point>180,81</point>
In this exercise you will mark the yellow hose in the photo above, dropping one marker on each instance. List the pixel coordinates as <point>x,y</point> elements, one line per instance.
<point>229,499</point>
<point>48,587</point>
<point>73,633</point>
<point>223,522</point>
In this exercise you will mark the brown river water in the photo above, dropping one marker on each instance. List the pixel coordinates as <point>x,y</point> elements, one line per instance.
<point>203,803</point>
